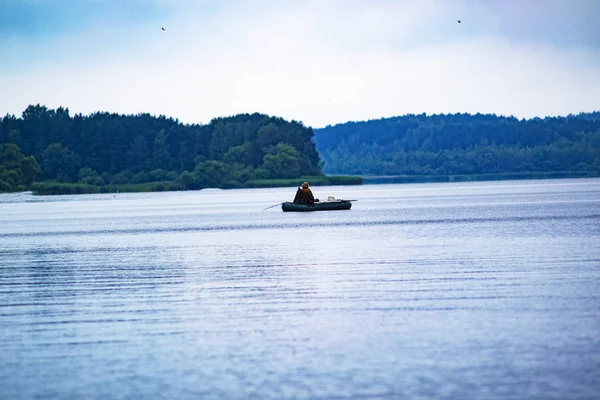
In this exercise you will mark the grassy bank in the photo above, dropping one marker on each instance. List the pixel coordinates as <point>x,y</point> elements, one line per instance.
<point>57,188</point>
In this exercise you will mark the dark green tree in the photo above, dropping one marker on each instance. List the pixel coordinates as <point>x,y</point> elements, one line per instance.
<point>282,162</point>
<point>160,152</point>
<point>17,171</point>
<point>210,173</point>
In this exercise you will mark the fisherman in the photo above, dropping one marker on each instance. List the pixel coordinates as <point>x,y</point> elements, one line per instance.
<point>304,195</point>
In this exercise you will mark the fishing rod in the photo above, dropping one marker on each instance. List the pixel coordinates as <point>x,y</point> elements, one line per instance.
<point>274,205</point>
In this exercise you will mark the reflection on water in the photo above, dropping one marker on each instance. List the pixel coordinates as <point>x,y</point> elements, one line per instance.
<point>470,290</point>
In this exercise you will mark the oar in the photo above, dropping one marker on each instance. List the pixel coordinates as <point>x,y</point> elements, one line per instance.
<point>274,205</point>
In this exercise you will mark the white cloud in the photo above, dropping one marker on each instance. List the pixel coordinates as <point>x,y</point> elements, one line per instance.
<point>318,62</point>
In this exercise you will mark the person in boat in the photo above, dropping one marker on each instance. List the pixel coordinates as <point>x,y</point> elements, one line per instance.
<point>304,195</point>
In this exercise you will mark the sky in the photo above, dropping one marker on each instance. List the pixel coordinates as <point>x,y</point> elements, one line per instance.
<point>321,62</point>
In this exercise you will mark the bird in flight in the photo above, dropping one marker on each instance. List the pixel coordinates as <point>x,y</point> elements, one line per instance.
<point>163,29</point>
<point>458,20</point>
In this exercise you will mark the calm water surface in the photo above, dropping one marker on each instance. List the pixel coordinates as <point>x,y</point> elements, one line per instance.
<point>485,290</point>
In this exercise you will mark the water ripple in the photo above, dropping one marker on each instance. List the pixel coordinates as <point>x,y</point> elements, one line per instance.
<point>254,226</point>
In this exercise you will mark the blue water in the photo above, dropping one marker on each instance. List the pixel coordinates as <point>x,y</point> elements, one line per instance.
<point>487,290</point>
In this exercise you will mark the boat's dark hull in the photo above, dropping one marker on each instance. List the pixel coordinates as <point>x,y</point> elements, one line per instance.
<point>321,206</point>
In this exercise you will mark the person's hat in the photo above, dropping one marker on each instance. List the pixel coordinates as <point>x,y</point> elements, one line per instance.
<point>305,185</point>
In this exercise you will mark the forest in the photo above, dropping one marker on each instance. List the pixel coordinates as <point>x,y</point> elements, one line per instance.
<point>56,150</point>
<point>462,144</point>
<point>50,151</point>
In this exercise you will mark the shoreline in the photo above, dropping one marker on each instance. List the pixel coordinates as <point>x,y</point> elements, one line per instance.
<point>58,188</point>
<point>376,180</point>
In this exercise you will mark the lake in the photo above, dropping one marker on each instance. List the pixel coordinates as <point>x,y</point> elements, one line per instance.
<point>485,290</point>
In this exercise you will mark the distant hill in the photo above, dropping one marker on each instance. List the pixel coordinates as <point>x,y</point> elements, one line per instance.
<point>592,116</point>
<point>461,144</point>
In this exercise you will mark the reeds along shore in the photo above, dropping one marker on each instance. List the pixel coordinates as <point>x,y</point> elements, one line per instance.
<point>58,188</point>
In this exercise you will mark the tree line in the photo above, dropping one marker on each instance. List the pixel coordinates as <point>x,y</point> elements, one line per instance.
<point>107,148</point>
<point>100,149</point>
<point>461,144</point>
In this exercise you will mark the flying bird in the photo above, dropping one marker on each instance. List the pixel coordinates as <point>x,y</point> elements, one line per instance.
<point>458,20</point>
<point>163,29</point>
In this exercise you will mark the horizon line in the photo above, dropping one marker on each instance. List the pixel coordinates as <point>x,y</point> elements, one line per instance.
<point>176,119</point>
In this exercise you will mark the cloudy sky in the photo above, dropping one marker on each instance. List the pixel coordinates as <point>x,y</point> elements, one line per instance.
<point>320,62</point>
